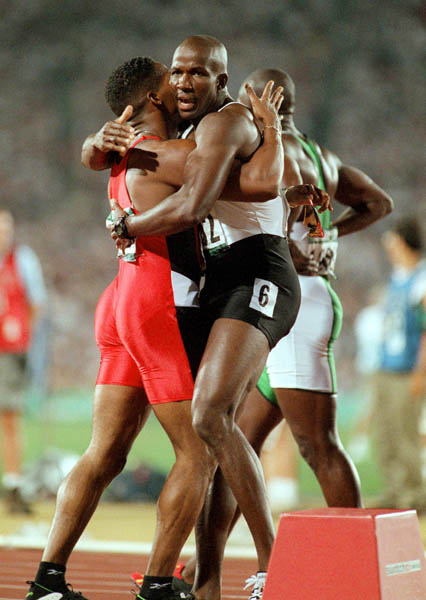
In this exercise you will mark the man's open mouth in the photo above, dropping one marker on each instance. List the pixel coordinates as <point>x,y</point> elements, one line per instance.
<point>186,103</point>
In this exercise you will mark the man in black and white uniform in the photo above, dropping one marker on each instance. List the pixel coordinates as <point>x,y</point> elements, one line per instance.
<point>249,273</point>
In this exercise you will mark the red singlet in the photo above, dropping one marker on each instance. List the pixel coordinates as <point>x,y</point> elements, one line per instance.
<point>136,325</point>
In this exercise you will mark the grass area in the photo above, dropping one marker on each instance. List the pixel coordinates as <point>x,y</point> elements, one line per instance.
<point>63,422</point>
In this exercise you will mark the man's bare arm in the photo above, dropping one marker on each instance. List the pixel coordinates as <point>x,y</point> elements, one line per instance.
<point>262,175</point>
<point>259,179</point>
<point>366,201</point>
<point>219,138</point>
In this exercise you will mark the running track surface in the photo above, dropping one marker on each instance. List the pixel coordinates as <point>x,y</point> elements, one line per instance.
<point>104,576</point>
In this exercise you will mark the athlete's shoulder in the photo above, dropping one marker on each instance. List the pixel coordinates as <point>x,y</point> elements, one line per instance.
<point>159,161</point>
<point>328,156</point>
<point>295,140</point>
<point>157,145</point>
<point>233,126</point>
<point>229,114</point>
<point>290,141</point>
<point>161,151</point>
<point>237,108</point>
<point>293,148</point>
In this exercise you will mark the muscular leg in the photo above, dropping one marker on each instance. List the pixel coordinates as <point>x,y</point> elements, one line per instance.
<point>119,413</point>
<point>220,512</point>
<point>235,355</point>
<point>258,418</point>
<point>183,493</point>
<point>312,420</point>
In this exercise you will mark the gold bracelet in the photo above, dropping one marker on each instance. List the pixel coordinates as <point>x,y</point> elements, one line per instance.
<point>273,127</point>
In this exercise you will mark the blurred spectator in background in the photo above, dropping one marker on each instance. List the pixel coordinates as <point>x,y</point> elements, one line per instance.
<point>368,332</point>
<point>400,383</point>
<point>22,298</point>
<point>280,462</point>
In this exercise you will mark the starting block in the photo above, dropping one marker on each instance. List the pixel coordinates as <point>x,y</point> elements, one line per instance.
<point>347,554</point>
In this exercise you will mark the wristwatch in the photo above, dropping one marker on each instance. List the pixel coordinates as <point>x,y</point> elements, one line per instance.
<point>120,227</point>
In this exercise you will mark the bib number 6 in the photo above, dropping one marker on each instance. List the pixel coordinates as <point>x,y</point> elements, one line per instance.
<point>264,297</point>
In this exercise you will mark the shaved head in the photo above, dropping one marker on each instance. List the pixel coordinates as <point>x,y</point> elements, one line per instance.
<point>259,78</point>
<point>210,48</point>
<point>199,76</point>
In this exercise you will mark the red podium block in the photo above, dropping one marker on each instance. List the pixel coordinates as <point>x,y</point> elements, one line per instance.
<point>347,554</point>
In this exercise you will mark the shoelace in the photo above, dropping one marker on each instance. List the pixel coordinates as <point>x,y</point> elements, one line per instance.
<point>257,584</point>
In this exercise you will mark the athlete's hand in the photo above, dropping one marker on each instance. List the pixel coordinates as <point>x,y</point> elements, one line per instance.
<point>303,263</point>
<point>306,194</point>
<point>265,108</point>
<point>117,213</point>
<point>312,221</point>
<point>117,135</point>
<point>121,243</point>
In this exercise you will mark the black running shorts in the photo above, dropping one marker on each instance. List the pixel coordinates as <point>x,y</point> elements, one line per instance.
<point>253,280</point>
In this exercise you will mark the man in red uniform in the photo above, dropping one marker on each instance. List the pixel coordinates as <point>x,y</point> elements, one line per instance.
<point>22,296</point>
<point>145,357</point>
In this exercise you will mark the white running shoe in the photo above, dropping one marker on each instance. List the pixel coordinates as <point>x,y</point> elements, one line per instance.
<point>258,583</point>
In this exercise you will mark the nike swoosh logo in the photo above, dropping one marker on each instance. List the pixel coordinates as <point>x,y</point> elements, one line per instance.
<point>52,596</point>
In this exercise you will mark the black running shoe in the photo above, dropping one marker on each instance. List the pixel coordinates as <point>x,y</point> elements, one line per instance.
<point>39,592</point>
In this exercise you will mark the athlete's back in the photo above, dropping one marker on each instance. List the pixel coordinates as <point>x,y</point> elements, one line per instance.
<point>299,164</point>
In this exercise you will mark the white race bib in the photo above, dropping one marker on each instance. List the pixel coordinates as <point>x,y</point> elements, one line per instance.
<point>213,237</point>
<point>324,251</point>
<point>264,297</point>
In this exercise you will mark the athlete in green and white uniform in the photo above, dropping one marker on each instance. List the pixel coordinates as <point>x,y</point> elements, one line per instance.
<point>304,358</point>
<point>300,375</point>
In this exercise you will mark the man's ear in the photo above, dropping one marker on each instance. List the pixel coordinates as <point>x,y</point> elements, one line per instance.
<point>154,98</point>
<point>221,81</point>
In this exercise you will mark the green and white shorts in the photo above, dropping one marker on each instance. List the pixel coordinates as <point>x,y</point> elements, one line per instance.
<point>304,359</point>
